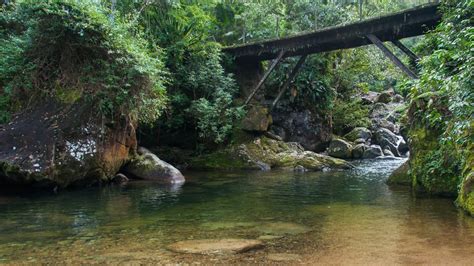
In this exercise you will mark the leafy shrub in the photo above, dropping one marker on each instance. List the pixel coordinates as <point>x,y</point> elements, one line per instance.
<point>71,50</point>
<point>348,115</point>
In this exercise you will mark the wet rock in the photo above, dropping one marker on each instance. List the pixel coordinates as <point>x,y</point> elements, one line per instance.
<point>257,119</point>
<point>387,152</point>
<point>400,176</point>
<point>215,246</point>
<point>360,141</point>
<point>384,136</point>
<point>403,147</point>
<point>120,179</point>
<point>358,151</point>
<point>311,129</point>
<point>148,166</point>
<point>358,133</point>
<point>340,149</point>
<point>373,151</point>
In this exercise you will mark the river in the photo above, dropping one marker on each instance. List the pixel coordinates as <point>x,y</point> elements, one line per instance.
<point>337,217</point>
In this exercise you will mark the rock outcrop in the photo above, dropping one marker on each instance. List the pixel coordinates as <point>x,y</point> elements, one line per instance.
<point>263,153</point>
<point>257,119</point>
<point>147,166</point>
<point>54,144</point>
<point>311,129</point>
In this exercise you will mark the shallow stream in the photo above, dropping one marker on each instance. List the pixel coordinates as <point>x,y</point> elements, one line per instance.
<point>349,217</point>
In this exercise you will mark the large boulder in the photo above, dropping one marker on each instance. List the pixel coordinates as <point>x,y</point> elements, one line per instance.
<point>387,139</point>
<point>311,129</point>
<point>148,166</point>
<point>263,154</point>
<point>358,133</point>
<point>257,119</point>
<point>340,149</point>
<point>56,144</point>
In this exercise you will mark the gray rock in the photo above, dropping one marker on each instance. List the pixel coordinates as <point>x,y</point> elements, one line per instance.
<point>397,98</point>
<point>311,129</point>
<point>358,151</point>
<point>148,166</point>
<point>358,133</point>
<point>387,152</point>
<point>360,141</point>
<point>384,136</point>
<point>340,149</point>
<point>373,151</point>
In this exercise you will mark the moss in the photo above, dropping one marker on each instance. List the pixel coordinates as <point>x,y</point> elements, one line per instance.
<point>401,176</point>
<point>67,96</point>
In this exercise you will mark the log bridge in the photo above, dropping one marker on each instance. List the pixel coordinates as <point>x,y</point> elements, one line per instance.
<point>389,28</point>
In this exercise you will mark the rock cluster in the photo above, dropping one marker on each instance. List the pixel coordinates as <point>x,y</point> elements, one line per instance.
<point>382,139</point>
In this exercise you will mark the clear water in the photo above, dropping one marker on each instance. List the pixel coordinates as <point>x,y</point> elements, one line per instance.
<point>349,217</point>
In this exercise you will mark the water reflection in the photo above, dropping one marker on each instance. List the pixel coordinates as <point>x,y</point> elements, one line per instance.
<point>352,212</point>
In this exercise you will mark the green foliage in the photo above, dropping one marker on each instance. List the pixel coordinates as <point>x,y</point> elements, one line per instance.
<point>66,49</point>
<point>348,115</point>
<point>442,110</point>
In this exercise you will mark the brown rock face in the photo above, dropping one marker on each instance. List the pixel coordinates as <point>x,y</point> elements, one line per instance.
<point>55,144</point>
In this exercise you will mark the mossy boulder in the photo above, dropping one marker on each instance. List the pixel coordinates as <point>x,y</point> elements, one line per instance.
<point>258,118</point>
<point>437,167</point>
<point>384,97</point>
<point>148,166</point>
<point>340,148</point>
<point>401,175</point>
<point>264,153</point>
<point>358,133</point>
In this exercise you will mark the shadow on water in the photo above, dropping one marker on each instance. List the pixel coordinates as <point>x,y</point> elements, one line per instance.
<point>313,214</point>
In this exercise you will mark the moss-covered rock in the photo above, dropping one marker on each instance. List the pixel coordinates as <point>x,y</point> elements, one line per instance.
<point>437,167</point>
<point>258,118</point>
<point>264,153</point>
<point>401,175</point>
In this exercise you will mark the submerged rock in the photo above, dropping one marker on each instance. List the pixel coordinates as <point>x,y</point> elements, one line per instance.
<point>401,175</point>
<point>148,166</point>
<point>340,149</point>
<point>215,246</point>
